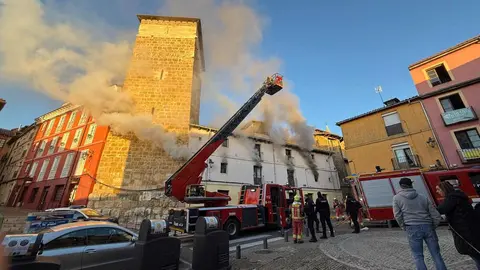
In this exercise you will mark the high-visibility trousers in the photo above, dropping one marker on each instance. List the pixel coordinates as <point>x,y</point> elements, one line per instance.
<point>297,229</point>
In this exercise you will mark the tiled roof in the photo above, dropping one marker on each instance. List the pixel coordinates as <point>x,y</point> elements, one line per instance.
<point>7,132</point>
<point>378,110</point>
<point>447,51</point>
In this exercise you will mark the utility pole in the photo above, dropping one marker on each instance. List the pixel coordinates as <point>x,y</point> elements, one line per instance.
<point>379,90</point>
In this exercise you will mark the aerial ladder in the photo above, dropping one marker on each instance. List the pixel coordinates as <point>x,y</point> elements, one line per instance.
<point>185,183</point>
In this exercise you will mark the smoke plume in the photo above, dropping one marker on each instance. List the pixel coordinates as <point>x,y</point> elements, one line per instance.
<point>71,62</point>
<point>232,33</point>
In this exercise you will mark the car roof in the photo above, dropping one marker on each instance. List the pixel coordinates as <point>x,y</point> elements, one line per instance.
<point>83,224</point>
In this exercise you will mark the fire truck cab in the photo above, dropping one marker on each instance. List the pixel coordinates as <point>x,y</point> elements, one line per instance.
<point>376,190</point>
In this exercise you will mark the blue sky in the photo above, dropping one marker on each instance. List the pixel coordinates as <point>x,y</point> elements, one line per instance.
<point>335,52</point>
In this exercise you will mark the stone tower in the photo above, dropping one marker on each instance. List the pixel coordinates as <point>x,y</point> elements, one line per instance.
<point>163,80</point>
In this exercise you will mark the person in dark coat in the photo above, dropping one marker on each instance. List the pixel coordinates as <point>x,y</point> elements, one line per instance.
<point>462,219</point>
<point>311,216</point>
<point>352,207</point>
<point>323,208</point>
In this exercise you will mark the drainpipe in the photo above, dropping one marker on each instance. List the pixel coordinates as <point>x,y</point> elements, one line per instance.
<point>442,151</point>
<point>274,162</point>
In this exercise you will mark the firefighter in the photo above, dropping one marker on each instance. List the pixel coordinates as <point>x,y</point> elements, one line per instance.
<point>339,208</point>
<point>297,220</point>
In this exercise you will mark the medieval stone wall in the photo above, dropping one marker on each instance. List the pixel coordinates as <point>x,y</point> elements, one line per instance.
<point>161,81</point>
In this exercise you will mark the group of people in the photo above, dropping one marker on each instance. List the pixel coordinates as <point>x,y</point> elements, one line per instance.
<point>416,215</point>
<point>321,208</point>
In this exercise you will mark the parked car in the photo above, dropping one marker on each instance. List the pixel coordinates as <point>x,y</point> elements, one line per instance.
<point>90,245</point>
<point>85,214</point>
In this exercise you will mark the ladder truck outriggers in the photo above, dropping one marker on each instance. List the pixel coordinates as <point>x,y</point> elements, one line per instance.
<point>258,206</point>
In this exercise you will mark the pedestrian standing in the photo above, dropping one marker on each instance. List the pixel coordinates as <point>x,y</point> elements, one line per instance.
<point>462,220</point>
<point>323,208</point>
<point>352,207</point>
<point>339,208</point>
<point>297,219</point>
<point>311,216</point>
<point>416,215</point>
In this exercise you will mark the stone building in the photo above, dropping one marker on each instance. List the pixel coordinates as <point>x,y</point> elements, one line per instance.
<point>19,147</point>
<point>163,80</point>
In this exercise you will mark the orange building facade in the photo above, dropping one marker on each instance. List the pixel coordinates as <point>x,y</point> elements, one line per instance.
<point>61,165</point>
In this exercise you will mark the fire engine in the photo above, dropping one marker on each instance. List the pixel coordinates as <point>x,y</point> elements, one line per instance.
<point>376,190</point>
<point>259,205</point>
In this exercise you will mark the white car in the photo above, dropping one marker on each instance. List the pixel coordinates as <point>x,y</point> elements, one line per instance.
<point>85,214</point>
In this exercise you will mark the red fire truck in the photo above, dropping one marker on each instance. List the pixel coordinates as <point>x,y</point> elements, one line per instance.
<point>376,190</point>
<point>259,205</point>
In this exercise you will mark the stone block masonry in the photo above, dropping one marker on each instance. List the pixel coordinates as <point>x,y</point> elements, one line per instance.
<point>163,81</point>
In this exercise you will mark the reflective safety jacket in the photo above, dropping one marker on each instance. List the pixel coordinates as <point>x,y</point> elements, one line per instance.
<point>297,211</point>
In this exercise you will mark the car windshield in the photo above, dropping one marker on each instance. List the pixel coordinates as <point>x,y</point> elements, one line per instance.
<point>91,213</point>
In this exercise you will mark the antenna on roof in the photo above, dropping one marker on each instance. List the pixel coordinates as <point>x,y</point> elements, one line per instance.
<point>379,90</point>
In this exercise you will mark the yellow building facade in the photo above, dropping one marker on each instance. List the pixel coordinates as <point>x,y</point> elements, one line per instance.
<point>395,137</point>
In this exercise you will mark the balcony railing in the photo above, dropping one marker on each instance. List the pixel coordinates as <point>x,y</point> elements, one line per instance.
<point>469,155</point>
<point>404,163</point>
<point>459,116</point>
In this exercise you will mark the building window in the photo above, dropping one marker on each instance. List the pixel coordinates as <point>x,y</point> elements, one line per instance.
<point>53,170</point>
<point>33,195</point>
<point>27,168</point>
<point>60,123</point>
<point>63,142</point>
<point>15,174</point>
<point>288,153</point>
<point>79,169</point>
<point>53,145</point>
<point>468,139</point>
<point>438,75</point>
<point>76,138</point>
<point>67,165</point>
<point>49,127</point>
<point>83,118</point>
<point>43,169</point>
<point>393,125</point>
<point>258,152</point>
<point>290,177</point>
<point>33,169</point>
<point>2,143</point>
<point>404,158</point>
<point>24,153</point>
<point>91,134</point>
<point>42,148</point>
<point>225,143</point>
<point>58,193</point>
<point>223,167</point>
<point>257,175</point>
<point>71,120</point>
<point>452,103</point>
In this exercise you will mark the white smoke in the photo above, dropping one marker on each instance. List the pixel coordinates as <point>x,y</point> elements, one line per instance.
<point>232,33</point>
<point>69,61</point>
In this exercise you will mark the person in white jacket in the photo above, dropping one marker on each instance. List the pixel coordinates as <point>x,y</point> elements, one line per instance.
<point>416,215</point>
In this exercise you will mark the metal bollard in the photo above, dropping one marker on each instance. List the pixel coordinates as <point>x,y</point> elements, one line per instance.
<point>239,252</point>
<point>286,236</point>
<point>265,243</point>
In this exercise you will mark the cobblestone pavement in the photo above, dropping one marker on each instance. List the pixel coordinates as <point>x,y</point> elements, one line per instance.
<point>379,248</point>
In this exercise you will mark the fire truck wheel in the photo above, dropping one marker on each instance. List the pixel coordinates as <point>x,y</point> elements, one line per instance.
<point>232,227</point>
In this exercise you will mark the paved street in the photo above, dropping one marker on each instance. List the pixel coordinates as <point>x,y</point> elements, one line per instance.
<point>379,248</point>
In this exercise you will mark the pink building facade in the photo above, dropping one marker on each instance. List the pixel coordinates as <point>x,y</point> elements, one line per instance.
<point>449,85</point>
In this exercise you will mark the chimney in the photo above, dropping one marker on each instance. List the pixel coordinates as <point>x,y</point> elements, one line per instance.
<point>391,102</point>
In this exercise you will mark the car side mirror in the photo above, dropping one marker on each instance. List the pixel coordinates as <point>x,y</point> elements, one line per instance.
<point>134,239</point>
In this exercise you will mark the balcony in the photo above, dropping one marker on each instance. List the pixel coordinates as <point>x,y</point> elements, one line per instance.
<point>469,155</point>
<point>459,116</point>
<point>405,163</point>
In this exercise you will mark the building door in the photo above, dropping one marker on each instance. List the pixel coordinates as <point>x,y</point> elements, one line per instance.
<point>43,198</point>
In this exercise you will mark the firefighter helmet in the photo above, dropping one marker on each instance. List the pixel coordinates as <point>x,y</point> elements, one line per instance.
<point>297,198</point>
